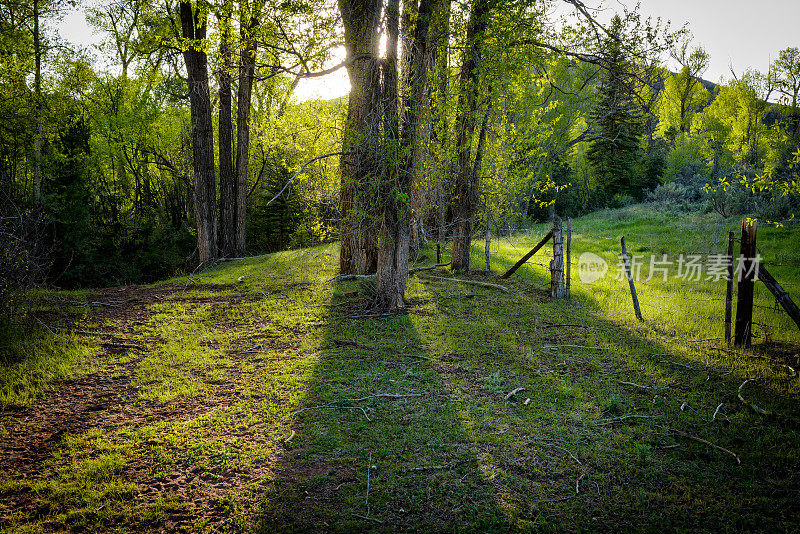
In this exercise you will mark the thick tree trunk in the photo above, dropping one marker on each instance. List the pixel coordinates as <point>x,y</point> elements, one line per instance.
<point>247,67</point>
<point>392,265</point>
<point>227,181</point>
<point>359,141</point>
<point>193,27</point>
<point>396,221</point>
<point>37,81</point>
<point>466,186</point>
<point>440,59</point>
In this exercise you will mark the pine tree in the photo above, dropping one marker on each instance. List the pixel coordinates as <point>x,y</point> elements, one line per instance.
<point>614,154</point>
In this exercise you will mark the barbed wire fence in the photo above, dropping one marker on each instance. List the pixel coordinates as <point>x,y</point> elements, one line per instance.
<point>693,306</point>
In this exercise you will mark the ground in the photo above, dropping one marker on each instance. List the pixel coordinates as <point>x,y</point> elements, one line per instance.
<point>257,397</point>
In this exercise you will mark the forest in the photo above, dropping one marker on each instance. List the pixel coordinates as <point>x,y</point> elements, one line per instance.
<point>227,306</point>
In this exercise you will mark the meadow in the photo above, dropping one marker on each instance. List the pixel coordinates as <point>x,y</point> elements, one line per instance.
<point>263,396</point>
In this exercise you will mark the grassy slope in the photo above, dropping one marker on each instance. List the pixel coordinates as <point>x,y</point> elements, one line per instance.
<point>267,426</point>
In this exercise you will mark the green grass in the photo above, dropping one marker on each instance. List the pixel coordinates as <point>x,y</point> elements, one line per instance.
<point>33,361</point>
<point>259,405</point>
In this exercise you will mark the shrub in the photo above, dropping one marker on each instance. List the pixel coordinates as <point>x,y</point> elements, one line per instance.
<point>620,201</point>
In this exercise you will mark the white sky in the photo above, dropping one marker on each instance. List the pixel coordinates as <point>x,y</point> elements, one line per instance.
<point>741,33</point>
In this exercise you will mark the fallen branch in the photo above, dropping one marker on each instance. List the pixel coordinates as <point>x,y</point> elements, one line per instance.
<point>82,332</point>
<point>572,347</point>
<point>449,465</point>
<point>752,406</point>
<point>578,482</point>
<point>345,277</point>
<point>634,385</point>
<point>559,447</point>
<point>385,396</point>
<point>512,393</point>
<point>504,289</point>
<point>706,442</point>
<point>429,268</point>
<point>622,418</point>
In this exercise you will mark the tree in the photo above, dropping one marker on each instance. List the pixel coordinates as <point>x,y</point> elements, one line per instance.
<point>361,19</point>
<point>786,73</point>
<point>193,30</point>
<point>614,153</point>
<point>466,181</point>
<point>683,95</point>
<point>227,181</point>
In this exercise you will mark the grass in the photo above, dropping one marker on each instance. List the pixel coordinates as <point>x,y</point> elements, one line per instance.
<point>31,365</point>
<point>259,405</point>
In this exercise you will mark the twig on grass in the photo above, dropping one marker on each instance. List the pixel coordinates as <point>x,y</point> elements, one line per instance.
<point>44,325</point>
<point>82,332</point>
<point>366,500</point>
<point>578,483</point>
<point>448,465</point>
<point>706,442</point>
<point>429,268</point>
<point>634,385</point>
<point>512,393</point>
<point>504,289</point>
<point>714,417</point>
<point>559,447</point>
<point>678,364</point>
<point>367,518</point>
<point>572,347</point>
<point>752,406</point>
<point>622,418</point>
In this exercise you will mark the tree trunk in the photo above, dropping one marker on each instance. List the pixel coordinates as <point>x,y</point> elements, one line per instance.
<point>227,182</point>
<point>37,143</point>
<point>393,250</point>
<point>193,26</point>
<point>487,252</point>
<point>247,64</point>
<point>439,51</point>
<point>466,186</point>
<point>358,253</point>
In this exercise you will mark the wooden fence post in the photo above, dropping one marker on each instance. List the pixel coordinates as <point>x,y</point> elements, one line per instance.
<point>487,250</point>
<point>557,263</point>
<point>634,297</point>
<point>744,295</point>
<point>729,289</point>
<point>569,254</point>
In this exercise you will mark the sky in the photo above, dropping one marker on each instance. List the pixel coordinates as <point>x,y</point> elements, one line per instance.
<point>735,33</point>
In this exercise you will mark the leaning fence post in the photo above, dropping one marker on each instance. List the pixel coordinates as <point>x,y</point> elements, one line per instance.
<point>729,289</point>
<point>557,263</point>
<point>744,294</point>
<point>569,253</point>
<point>635,298</point>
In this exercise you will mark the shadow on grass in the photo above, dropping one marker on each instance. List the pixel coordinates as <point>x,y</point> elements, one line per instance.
<point>379,443</point>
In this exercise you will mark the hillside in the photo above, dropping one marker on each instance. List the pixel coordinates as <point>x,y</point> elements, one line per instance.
<point>261,396</point>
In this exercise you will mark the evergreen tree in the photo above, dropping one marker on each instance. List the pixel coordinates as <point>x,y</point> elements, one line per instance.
<point>614,153</point>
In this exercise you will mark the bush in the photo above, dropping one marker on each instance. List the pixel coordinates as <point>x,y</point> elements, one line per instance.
<point>620,201</point>
<point>24,252</point>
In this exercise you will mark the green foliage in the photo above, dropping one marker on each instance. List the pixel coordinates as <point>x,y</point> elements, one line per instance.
<point>614,153</point>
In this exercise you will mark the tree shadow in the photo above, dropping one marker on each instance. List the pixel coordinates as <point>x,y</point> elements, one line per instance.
<point>378,443</point>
